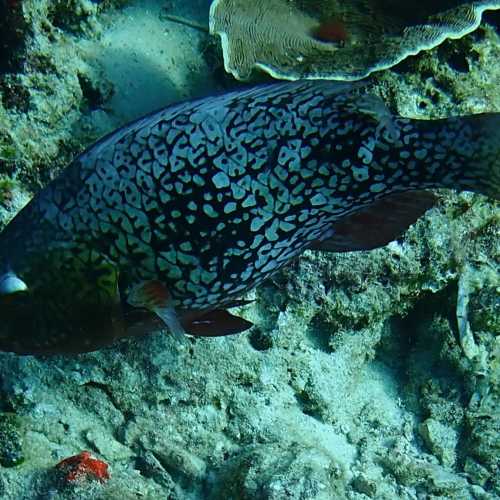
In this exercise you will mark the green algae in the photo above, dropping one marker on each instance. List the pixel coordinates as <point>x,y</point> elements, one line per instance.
<point>7,187</point>
<point>11,440</point>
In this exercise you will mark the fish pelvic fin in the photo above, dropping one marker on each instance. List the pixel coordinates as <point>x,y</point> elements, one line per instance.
<point>154,296</point>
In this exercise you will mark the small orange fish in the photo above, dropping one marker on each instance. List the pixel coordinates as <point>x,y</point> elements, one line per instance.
<point>331,30</point>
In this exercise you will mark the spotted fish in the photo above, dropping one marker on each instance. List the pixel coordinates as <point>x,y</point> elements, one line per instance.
<point>171,219</point>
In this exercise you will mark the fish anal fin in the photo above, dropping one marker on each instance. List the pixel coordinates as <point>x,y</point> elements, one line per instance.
<point>216,323</point>
<point>378,223</point>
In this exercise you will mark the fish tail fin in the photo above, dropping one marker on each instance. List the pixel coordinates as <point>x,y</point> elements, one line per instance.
<point>473,153</point>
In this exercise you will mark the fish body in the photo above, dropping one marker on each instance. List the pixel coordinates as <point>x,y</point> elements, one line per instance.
<point>202,201</point>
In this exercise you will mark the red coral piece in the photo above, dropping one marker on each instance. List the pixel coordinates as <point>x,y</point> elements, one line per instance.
<point>83,466</point>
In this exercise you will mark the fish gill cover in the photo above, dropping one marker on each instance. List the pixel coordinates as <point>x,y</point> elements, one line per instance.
<point>357,379</point>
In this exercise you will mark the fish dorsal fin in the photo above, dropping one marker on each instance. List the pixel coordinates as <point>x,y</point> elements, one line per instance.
<point>378,223</point>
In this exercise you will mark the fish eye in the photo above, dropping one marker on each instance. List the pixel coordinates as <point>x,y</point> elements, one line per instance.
<point>10,284</point>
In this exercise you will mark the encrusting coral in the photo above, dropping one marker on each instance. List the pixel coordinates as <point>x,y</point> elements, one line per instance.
<point>332,39</point>
<point>83,467</point>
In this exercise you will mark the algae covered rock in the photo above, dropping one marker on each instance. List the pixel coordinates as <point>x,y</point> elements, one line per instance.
<point>333,39</point>
<point>441,440</point>
<point>275,472</point>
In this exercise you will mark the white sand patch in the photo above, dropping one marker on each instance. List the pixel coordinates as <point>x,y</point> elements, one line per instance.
<point>150,61</point>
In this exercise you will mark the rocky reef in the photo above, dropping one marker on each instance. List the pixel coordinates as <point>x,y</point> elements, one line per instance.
<point>367,375</point>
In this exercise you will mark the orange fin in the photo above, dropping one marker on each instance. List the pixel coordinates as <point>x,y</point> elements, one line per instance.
<point>377,224</point>
<point>216,323</point>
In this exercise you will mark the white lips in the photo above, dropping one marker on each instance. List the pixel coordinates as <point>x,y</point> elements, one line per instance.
<point>10,283</point>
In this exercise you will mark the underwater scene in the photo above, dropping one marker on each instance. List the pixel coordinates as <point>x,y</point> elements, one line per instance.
<point>249,249</point>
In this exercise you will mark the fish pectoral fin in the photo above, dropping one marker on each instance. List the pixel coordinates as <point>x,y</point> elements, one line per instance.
<point>154,296</point>
<point>216,323</point>
<point>378,223</point>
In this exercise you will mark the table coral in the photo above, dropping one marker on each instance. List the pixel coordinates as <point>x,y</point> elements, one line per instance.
<point>333,39</point>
